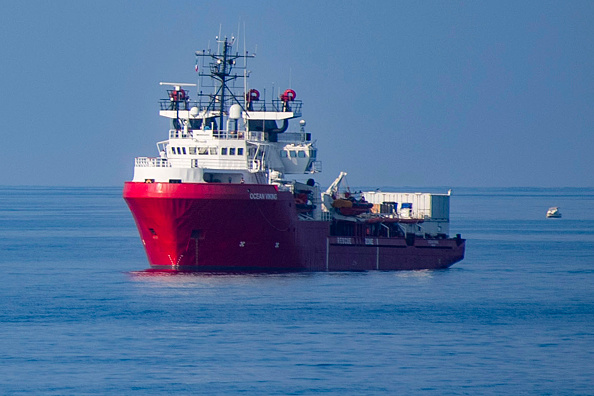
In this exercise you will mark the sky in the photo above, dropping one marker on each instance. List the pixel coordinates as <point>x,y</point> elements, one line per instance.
<point>396,93</point>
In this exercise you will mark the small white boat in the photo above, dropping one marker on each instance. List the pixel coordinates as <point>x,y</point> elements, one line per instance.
<point>553,212</point>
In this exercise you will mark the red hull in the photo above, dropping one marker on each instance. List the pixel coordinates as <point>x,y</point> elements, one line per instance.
<point>243,227</point>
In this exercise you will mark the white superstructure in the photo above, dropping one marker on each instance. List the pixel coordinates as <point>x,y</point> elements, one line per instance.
<point>229,135</point>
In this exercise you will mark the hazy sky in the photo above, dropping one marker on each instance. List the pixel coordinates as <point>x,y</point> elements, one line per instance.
<point>397,93</point>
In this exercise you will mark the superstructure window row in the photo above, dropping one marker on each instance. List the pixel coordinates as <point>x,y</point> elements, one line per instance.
<point>207,150</point>
<point>293,154</point>
<point>231,150</point>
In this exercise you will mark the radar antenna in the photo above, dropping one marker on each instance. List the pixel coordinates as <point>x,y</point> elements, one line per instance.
<point>222,67</point>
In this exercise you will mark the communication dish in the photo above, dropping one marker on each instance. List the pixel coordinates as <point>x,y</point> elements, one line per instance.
<point>235,112</point>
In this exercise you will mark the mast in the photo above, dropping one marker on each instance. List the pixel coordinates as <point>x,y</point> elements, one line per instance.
<point>223,77</point>
<point>222,66</point>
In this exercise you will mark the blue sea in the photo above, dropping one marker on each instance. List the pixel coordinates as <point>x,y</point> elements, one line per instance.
<point>78,316</point>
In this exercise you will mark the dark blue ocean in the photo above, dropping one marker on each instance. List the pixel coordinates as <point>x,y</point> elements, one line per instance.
<point>515,317</point>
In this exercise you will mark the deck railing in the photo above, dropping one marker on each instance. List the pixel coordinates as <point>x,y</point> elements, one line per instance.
<point>197,133</point>
<point>273,105</point>
<point>146,162</point>
<point>238,135</point>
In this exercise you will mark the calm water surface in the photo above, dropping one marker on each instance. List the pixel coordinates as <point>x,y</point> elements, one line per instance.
<point>515,317</point>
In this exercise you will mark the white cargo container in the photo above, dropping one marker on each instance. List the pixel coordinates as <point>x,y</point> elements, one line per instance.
<point>432,211</point>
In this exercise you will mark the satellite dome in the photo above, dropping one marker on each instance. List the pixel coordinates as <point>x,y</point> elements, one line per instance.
<point>235,112</point>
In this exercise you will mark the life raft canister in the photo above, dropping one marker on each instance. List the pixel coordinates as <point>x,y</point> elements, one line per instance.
<point>252,95</point>
<point>288,96</point>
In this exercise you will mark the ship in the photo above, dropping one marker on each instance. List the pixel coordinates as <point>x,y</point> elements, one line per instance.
<point>554,213</point>
<point>233,189</point>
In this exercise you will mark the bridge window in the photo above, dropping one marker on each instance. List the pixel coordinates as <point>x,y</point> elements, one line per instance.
<point>192,150</point>
<point>202,150</point>
<point>293,154</point>
<point>172,150</point>
<point>213,150</point>
<point>232,151</point>
<point>224,151</point>
<point>183,150</point>
<point>240,151</point>
<point>283,154</point>
<point>301,154</point>
<point>178,150</point>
